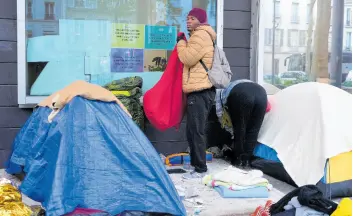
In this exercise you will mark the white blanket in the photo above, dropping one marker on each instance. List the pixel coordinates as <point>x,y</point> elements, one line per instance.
<point>240,177</point>
<point>308,123</point>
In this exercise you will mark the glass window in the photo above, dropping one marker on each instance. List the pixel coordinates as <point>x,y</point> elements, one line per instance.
<point>302,38</point>
<point>305,54</point>
<point>102,40</point>
<point>293,38</point>
<point>278,9</point>
<point>308,13</point>
<point>278,37</point>
<point>349,16</point>
<point>295,13</point>
<point>29,10</point>
<point>348,41</point>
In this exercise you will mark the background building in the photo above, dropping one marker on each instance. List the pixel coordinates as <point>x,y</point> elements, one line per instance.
<point>292,19</point>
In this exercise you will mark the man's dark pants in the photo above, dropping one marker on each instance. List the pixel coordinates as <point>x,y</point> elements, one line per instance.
<point>199,105</point>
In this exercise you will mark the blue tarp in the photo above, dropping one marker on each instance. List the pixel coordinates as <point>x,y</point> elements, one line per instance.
<point>91,156</point>
<point>265,152</point>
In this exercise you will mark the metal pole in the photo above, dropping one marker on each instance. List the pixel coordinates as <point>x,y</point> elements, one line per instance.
<point>273,42</point>
<point>337,43</point>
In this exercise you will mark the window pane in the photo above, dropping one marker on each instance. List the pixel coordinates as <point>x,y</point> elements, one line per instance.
<point>278,9</point>
<point>103,40</point>
<point>295,13</point>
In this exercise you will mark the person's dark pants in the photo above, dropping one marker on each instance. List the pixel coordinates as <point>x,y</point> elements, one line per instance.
<point>199,105</point>
<point>246,103</point>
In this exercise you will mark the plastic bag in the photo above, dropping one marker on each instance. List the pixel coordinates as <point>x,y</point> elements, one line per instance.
<point>164,104</point>
<point>11,201</point>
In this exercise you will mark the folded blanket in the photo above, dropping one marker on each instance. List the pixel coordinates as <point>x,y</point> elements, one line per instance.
<point>258,192</point>
<point>235,176</point>
<point>208,181</point>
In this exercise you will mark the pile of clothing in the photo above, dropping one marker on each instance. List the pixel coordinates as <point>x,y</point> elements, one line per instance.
<point>305,201</point>
<point>236,183</point>
<point>129,91</point>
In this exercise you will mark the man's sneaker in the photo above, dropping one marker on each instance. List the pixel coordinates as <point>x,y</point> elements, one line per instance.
<point>194,175</point>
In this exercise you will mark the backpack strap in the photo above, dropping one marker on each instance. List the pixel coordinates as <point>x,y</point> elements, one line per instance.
<point>214,44</point>
<point>203,65</point>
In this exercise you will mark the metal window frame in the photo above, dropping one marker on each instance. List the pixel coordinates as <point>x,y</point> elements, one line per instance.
<point>27,101</point>
<point>257,42</point>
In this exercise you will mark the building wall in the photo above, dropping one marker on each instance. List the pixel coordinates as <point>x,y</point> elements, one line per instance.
<point>11,117</point>
<point>237,22</point>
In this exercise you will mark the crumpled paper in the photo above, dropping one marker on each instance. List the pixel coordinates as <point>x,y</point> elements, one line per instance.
<point>11,200</point>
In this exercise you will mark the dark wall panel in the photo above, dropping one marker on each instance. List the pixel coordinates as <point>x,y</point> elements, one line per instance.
<point>8,29</point>
<point>8,73</point>
<point>237,20</point>
<point>7,137</point>
<point>239,56</point>
<point>8,9</point>
<point>240,73</point>
<point>8,51</point>
<point>11,117</point>
<point>237,5</point>
<point>234,38</point>
<point>8,95</point>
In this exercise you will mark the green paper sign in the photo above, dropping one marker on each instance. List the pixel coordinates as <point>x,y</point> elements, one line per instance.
<point>128,35</point>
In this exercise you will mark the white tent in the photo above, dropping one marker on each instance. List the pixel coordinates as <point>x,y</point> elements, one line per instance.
<point>308,123</point>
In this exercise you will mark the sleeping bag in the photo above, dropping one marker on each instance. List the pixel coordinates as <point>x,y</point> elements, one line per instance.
<point>164,104</point>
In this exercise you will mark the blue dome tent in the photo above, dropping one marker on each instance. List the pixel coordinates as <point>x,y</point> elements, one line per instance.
<point>91,156</point>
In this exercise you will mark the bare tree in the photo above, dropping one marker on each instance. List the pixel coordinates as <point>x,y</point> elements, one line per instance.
<point>309,41</point>
<point>319,68</point>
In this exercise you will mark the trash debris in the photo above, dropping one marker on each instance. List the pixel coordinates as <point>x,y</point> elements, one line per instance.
<point>181,191</point>
<point>197,211</point>
<point>37,211</point>
<point>11,200</point>
<point>191,193</point>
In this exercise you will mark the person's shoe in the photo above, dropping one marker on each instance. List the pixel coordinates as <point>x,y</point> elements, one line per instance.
<point>246,165</point>
<point>238,163</point>
<point>194,175</point>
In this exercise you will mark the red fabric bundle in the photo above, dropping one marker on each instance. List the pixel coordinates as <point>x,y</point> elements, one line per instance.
<point>82,211</point>
<point>268,108</point>
<point>164,104</point>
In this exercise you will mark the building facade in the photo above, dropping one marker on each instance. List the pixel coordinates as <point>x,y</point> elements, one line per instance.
<point>292,19</point>
<point>42,19</point>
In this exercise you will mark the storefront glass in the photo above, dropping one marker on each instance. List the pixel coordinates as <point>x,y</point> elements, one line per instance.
<point>102,40</point>
<point>296,39</point>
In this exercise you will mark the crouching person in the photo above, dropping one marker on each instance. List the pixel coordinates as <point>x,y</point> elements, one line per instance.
<point>241,108</point>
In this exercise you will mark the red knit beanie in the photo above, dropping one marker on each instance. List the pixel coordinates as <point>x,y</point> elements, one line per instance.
<point>199,14</point>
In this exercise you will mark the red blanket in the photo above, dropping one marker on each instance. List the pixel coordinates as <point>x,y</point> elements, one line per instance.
<point>164,104</point>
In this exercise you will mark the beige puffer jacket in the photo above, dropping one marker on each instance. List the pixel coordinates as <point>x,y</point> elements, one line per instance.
<point>199,46</point>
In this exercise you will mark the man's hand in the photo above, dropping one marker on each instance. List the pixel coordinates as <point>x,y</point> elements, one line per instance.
<point>181,36</point>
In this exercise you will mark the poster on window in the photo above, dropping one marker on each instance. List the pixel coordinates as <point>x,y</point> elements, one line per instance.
<point>128,35</point>
<point>155,60</point>
<point>160,37</point>
<point>126,60</point>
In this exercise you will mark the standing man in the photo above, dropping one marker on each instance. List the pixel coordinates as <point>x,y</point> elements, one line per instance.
<point>197,86</point>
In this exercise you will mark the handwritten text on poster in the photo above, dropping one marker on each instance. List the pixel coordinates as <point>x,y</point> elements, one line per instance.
<point>128,35</point>
<point>160,37</point>
<point>126,60</point>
